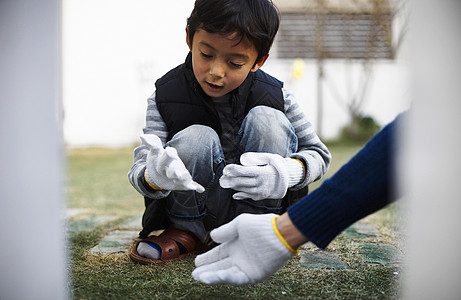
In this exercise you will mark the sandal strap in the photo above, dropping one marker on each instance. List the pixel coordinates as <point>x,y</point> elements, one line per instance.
<point>167,241</point>
<point>184,237</point>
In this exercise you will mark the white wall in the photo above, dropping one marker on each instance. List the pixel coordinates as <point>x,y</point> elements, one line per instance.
<point>388,92</point>
<point>114,50</point>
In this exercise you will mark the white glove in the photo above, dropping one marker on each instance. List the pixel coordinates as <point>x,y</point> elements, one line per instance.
<point>251,251</point>
<point>262,176</point>
<point>164,168</point>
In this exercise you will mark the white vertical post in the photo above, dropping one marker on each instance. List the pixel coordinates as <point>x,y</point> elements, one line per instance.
<point>32,243</point>
<point>432,153</point>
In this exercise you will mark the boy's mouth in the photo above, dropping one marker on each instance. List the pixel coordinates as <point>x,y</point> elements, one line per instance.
<point>214,87</point>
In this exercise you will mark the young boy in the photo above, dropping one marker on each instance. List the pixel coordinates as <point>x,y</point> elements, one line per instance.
<point>222,137</point>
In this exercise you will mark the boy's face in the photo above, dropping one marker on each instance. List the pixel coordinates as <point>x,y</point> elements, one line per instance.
<point>221,63</point>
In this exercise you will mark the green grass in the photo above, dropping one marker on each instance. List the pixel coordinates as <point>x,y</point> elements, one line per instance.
<point>98,183</point>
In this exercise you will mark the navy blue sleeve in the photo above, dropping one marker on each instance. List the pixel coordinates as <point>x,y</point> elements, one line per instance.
<point>362,186</point>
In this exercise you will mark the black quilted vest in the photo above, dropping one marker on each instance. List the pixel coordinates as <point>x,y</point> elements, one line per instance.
<point>182,102</point>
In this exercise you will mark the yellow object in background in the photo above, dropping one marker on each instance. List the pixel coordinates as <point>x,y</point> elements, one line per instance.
<point>298,68</point>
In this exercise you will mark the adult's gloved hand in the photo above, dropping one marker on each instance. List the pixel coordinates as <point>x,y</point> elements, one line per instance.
<point>262,176</point>
<point>164,168</point>
<point>252,249</point>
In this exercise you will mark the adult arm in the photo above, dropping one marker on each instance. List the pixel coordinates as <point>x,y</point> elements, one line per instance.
<point>362,186</point>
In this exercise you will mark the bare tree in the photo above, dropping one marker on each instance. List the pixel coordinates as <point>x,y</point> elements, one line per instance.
<point>374,39</point>
<point>359,32</point>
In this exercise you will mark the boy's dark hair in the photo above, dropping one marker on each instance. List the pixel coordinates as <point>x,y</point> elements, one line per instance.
<point>257,20</point>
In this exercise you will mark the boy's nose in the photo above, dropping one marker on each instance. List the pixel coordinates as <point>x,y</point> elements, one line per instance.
<point>217,70</point>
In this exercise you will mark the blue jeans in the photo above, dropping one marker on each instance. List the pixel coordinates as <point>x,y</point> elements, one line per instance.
<point>264,129</point>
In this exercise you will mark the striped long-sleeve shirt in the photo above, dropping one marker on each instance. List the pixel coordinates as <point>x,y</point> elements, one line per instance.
<point>311,151</point>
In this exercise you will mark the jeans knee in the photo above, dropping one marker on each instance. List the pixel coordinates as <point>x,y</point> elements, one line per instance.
<point>267,129</point>
<point>267,122</point>
<point>195,141</point>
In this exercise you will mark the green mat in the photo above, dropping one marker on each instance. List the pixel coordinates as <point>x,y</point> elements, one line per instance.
<point>321,260</point>
<point>380,254</point>
<point>361,231</point>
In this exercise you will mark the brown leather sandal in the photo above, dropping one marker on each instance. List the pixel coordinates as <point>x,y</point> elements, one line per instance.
<point>167,241</point>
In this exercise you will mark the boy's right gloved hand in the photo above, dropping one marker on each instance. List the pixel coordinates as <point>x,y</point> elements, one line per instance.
<point>164,168</point>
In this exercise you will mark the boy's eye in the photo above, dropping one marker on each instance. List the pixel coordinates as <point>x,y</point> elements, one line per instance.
<point>205,55</point>
<point>235,65</point>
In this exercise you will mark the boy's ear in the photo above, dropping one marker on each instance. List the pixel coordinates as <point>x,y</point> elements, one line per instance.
<point>187,39</point>
<point>259,63</point>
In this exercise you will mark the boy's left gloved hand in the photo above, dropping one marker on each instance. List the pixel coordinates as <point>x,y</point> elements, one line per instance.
<point>262,176</point>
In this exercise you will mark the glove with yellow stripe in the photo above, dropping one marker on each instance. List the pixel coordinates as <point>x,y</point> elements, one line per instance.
<point>251,250</point>
<point>164,168</point>
<point>262,176</point>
